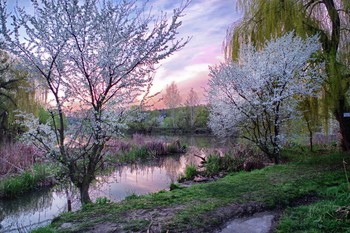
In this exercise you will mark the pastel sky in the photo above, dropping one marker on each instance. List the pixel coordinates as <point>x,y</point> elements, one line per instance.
<point>207,22</point>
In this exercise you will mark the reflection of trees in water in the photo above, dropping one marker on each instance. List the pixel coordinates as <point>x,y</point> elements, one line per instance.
<point>26,206</point>
<point>70,194</point>
<point>172,166</point>
<point>29,203</point>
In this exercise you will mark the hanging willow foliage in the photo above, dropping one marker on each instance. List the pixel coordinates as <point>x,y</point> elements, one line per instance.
<point>16,93</point>
<point>266,19</point>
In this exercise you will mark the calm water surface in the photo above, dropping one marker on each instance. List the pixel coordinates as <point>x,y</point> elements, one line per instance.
<point>39,208</point>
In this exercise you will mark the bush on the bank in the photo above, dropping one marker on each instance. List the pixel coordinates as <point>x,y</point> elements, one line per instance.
<point>190,171</point>
<point>139,148</point>
<point>213,165</point>
<point>241,158</point>
<point>14,186</point>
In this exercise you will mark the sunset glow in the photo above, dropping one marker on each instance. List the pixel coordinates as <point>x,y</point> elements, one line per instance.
<point>206,22</point>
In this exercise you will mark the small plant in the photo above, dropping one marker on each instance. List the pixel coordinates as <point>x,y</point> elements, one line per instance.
<point>190,171</point>
<point>102,201</point>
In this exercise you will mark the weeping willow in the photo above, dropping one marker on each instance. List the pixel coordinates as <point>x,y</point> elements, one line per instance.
<point>16,93</point>
<point>267,19</point>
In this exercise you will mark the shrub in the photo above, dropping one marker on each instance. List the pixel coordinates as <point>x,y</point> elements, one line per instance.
<point>17,185</point>
<point>190,171</point>
<point>212,165</point>
<point>156,148</point>
<point>134,154</point>
<point>175,147</point>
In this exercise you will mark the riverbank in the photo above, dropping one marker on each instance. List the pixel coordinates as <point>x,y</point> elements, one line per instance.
<point>206,207</point>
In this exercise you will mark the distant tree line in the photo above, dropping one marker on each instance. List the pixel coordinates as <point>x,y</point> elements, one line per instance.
<point>187,119</point>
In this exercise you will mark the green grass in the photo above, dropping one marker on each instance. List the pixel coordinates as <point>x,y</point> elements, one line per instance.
<point>322,216</point>
<point>197,207</point>
<point>15,186</point>
<point>44,230</point>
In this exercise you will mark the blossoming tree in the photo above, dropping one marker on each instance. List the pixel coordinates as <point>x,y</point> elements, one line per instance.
<point>96,57</point>
<point>255,96</point>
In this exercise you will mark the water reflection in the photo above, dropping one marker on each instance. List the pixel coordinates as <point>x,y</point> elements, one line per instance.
<point>30,211</point>
<point>139,178</point>
<point>37,209</point>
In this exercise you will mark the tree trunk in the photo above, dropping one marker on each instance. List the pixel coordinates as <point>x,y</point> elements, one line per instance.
<point>344,125</point>
<point>84,193</point>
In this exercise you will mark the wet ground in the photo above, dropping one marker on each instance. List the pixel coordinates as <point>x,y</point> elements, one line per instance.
<point>258,223</point>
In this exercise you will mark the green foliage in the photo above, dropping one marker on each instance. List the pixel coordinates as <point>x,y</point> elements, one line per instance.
<point>213,165</point>
<point>167,122</point>
<point>156,119</point>
<point>102,201</point>
<point>44,115</point>
<point>273,19</point>
<point>202,115</point>
<point>16,93</point>
<point>263,20</point>
<point>232,163</point>
<point>190,171</point>
<point>18,185</point>
<point>134,154</point>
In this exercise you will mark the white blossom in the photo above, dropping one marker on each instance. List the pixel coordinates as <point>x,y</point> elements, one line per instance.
<point>95,57</point>
<point>255,95</point>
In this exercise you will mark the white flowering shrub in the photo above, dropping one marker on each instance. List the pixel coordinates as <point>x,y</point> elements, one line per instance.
<point>254,96</point>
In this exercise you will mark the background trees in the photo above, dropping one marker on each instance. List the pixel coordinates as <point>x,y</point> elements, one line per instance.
<point>255,96</point>
<point>191,102</point>
<point>329,18</point>
<point>96,57</point>
<point>172,99</point>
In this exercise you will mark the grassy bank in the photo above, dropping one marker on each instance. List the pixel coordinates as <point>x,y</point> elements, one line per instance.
<point>203,207</point>
<point>40,175</point>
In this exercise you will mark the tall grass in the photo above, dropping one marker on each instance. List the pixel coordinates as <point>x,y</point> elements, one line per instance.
<point>139,148</point>
<point>28,180</point>
<point>17,157</point>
